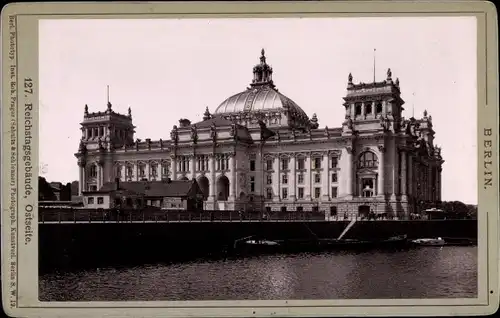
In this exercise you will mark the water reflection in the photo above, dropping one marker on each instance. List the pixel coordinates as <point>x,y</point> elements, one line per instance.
<point>449,272</point>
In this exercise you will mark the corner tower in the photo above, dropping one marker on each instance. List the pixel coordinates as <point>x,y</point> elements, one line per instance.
<point>373,106</point>
<point>102,132</point>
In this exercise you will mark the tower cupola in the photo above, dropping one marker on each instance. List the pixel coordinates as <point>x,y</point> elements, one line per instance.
<point>262,72</point>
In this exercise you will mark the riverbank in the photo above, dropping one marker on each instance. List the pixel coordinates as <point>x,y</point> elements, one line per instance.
<point>75,245</point>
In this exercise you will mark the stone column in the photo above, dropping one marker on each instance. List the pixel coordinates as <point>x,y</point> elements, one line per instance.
<point>123,169</point>
<point>211,178</point>
<point>136,172</point>
<point>430,194</point>
<point>100,175</point>
<point>363,110</point>
<point>173,168</point>
<point>325,191</point>
<point>193,166</point>
<point>293,173</point>
<point>381,171</point>
<point>148,171</point>
<point>410,175</point>
<point>395,170</point>
<point>81,181</point>
<point>232,178</point>
<point>353,110</point>
<point>403,173</point>
<point>259,175</point>
<point>350,172</point>
<point>439,184</point>
<point>307,178</point>
<point>276,178</point>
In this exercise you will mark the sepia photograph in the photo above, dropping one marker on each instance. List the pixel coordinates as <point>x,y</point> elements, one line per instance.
<point>246,159</point>
<point>253,159</point>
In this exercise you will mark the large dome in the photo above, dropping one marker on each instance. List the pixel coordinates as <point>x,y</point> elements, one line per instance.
<point>255,99</point>
<point>261,96</point>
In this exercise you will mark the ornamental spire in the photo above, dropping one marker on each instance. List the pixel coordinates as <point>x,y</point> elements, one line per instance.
<point>207,115</point>
<point>262,57</point>
<point>262,72</point>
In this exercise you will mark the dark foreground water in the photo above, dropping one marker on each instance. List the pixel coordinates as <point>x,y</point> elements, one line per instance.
<point>427,272</point>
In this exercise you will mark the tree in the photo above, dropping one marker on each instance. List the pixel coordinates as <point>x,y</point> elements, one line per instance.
<point>74,188</point>
<point>455,207</point>
<point>66,192</point>
<point>45,191</point>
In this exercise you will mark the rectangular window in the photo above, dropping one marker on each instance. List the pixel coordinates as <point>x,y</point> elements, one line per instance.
<point>269,193</point>
<point>334,192</point>
<point>252,184</point>
<point>100,200</point>
<point>335,162</point>
<point>90,200</point>
<point>164,169</point>
<point>300,179</point>
<point>119,172</point>
<point>142,171</point>
<point>317,178</point>
<point>334,177</point>
<point>284,193</point>
<point>269,165</point>
<point>252,165</point>
<point>284,164</point>
<point>269,179</point>
<point>317,192</point>
<point>300,193</point>
<point>300,164</point>
<point>284,179</point>
<point>317,163</point>
<point>154,170</point>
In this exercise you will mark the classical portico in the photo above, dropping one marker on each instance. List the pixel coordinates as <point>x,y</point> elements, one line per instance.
<point>259,150</point>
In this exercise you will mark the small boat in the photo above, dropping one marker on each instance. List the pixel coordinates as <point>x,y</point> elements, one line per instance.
<point>452,241</point>
<point>261,242</point>
<point>430,241</point>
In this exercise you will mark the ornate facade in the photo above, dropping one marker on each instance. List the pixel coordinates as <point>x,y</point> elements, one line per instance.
<point>259,150</point>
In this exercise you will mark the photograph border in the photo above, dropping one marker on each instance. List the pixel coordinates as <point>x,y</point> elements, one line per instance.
<point>19,190</point>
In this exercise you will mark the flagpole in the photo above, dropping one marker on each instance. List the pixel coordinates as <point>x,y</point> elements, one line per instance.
<point>374,51</point>
<point>413,106</point>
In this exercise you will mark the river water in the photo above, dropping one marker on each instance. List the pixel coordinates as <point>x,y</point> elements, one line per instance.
<point>427,272</point>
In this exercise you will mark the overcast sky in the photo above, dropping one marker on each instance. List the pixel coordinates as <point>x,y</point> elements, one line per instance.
<point>168,69</point>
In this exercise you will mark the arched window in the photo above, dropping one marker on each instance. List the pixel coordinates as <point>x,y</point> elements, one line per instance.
<point>142,170</point>
<point>357,109</point>
<point>154,169</point>
<point>93,171</point>
<point>164,169</point>
<point>118,171</point>
<point>130,172</point>
<point>368,108</point>
<point>367,160</point>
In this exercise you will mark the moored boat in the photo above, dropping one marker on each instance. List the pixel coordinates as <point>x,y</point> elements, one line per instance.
<point>429,241</point>
<point>452,241</point>
<point>399,241</point>
<point>262,246</point>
